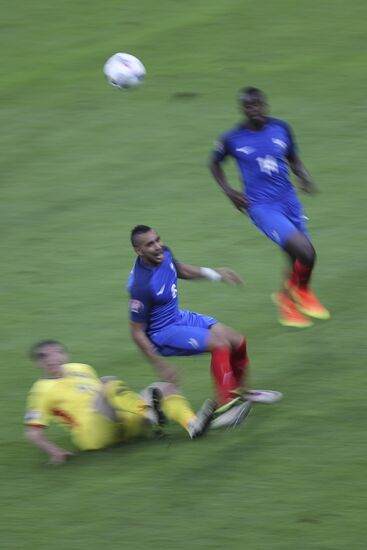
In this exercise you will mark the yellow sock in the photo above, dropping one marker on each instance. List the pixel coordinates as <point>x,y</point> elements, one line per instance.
<point>177,408</point>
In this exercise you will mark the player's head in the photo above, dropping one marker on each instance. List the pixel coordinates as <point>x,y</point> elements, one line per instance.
<point>253,105</point>
<point>148,245</point>
<point>50,355</point>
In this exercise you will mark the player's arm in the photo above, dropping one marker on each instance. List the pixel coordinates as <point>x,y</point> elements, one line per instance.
<point>236,197</point>
<point>166,371</point>
<point>221,151</point>
<point>187,271</point>
<point>299,170</point>
<point>37,420</point>
<point>36,436</point>
<point>297,166</point>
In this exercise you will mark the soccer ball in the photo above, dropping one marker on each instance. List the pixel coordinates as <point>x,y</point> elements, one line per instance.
<point>123,70</point>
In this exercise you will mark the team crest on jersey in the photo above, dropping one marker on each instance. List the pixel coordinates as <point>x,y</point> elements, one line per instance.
<point>136,306</point>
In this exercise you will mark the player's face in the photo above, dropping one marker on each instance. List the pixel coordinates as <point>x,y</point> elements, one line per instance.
<point>150,248</point>
<point>51,358</point>
<point>255,108</point>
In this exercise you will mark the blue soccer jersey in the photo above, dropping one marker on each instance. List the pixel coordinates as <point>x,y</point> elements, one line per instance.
<point>153,293</point>
<point>154,303</point>
<point>261,157</point>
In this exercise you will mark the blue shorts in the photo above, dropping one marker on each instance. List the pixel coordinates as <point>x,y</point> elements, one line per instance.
<point>187,336</point>
<point>279,220</point>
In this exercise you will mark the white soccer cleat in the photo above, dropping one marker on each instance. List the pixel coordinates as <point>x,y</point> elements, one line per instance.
<point>199,426</point>
<point>262,396</point>
<point>158,416</point>
<point>233,416</point>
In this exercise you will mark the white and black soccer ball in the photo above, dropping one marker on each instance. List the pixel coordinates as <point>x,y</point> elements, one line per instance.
<point>123,70</point>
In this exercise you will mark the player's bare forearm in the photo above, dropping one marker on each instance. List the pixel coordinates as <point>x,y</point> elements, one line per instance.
<point>219,176</point>
<point>36,436</point>
<point>187,271</point>
<point>236,197</point>
<point>299,170</point>
<point>166,372</point>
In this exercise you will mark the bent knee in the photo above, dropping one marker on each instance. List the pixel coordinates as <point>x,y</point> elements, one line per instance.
<point>217,341</point>
<point>307,255</point>
<point>301,248</point>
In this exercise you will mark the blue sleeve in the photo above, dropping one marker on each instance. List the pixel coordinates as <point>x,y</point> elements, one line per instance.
<point>292,145</point>
<point>292,149</point>
<point>221,149</point>
<point>140,304</point>
<point>173,257</point>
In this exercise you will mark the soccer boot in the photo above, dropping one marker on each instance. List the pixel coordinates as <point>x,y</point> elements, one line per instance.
<point>199,426</point>
<point>266,397</point>
<point>152,397</point>
<point>233,416</point>
<point>156,397</point>
<point>289,316</point>
<point>307,303</point>
<point>232,403</point>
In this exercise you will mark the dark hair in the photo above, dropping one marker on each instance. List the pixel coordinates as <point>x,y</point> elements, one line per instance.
<point>251,90</point>
<point>35,350</point>
<point>138,230</point>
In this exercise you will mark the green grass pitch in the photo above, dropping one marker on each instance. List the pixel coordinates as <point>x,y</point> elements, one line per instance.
<point>81,164</point>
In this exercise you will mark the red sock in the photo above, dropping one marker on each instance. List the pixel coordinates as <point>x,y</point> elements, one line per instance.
<point>224,379</point>
<point>301,275</point>
<point>239,363</point>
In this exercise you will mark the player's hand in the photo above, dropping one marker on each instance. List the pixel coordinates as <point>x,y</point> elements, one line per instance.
<point>58,456</point>
<point>308,187</point>
<point>169,374</point>
<point>238,200</point>
<point>230,277</point>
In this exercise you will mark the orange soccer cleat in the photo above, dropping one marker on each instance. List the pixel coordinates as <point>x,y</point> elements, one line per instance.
<point>307,303</point>
<point>289,316</point>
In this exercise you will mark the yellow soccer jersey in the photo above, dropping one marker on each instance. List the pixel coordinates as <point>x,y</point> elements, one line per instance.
<point>63,399</point>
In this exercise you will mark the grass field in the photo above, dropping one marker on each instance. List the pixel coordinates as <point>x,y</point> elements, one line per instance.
<point>81,164</point>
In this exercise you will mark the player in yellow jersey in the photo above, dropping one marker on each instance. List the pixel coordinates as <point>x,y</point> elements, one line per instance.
<point>99,412</point>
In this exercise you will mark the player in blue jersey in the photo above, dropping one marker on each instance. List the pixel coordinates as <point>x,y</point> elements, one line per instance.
<point>161,329</point>
<point>264,149</point>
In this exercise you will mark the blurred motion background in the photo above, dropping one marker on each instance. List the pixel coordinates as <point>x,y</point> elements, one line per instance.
<point>82,163</point>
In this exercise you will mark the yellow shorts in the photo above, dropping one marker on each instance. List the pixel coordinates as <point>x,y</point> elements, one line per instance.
<point>95,431</point>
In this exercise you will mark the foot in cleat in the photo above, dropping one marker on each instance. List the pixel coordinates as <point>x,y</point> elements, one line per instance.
<point>233,416</point>
<point>307,303</point>
<point>224,408</point>
<point>156,396</point>
<point>204,416</point>
<point>289,316</point>
<point>262,396</point>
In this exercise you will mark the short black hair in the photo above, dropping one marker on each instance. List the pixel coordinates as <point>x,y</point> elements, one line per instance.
<point>138,230</point>
<point>251,90</point>
<point>35,350</point>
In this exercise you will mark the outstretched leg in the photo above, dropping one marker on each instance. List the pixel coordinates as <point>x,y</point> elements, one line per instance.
<point>229,361</point>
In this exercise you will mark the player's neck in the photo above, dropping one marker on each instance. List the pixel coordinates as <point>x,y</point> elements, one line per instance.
<point>148,263</point>
<point>58,372</point>
<point>255,126</point>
